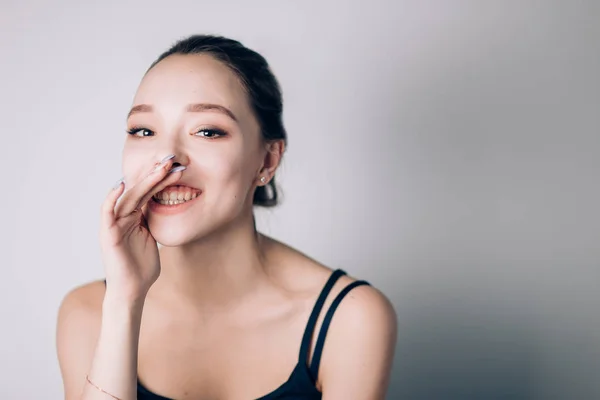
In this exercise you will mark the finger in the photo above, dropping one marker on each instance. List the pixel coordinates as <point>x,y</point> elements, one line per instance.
<point>131,198</point>
<point>108,205</point>
<point>172,176</point>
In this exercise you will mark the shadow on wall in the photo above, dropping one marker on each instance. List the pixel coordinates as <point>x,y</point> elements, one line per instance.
<point>453,351</point>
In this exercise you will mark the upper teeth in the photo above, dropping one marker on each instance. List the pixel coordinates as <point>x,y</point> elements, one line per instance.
<point>175,195</point>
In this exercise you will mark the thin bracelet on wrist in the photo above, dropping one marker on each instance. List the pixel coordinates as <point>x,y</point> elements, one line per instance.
<point>87,378</point>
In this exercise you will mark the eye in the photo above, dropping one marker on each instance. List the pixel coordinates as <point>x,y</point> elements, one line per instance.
<point>140,132</point>
<point>210,133</point>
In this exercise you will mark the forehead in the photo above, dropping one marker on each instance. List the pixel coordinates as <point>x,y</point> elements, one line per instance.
<point>179,80</point>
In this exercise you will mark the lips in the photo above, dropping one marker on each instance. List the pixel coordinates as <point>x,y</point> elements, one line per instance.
<point>173,207</point>
<point>176,194</point>
<point>181,185</point>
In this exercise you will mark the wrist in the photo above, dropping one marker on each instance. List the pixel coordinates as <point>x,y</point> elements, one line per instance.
<point>122,305</point>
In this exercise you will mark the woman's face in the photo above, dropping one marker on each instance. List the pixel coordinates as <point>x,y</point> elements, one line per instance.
<point>194,107</point>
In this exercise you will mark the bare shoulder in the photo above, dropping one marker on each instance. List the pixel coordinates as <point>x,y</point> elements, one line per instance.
<point>88,295</point>
<point>361,305</point>
<point>363,315</point>
<point>359,350</point>
<point>364,303</point>
<point>77,330</point>
<point>82,303</point>
<point>303,270</point>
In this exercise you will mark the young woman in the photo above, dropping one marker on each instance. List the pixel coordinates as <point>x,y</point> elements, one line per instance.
<point>219,311</point>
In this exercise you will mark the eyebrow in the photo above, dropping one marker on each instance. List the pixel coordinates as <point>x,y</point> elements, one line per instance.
<point>195,107</point>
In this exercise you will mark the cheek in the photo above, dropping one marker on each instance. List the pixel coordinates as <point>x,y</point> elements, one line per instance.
<point>134,165</point>
<point>130,163</point>
<point>230,174</point>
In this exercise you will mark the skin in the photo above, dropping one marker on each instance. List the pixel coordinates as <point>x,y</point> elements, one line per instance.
<point>229,305</point>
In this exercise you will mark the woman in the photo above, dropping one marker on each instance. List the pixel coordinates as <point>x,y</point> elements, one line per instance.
<point>228,313</point>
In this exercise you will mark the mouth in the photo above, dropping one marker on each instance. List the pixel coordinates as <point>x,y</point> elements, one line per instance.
<point>175,195</point>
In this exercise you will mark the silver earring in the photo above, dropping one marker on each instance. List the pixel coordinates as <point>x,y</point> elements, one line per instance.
<point>263,179</point>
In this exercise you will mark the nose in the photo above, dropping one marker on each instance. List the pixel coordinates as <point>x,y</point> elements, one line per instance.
<point>179,159</point>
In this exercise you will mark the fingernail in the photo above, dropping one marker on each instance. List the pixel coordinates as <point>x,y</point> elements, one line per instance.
<point>118,183</point>
<point>167,158</point>
<point>177,169</point>
<point>162,162</point>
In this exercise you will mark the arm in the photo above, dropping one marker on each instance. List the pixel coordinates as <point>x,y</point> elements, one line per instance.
<point>359,349</point>
<point>99,338</point>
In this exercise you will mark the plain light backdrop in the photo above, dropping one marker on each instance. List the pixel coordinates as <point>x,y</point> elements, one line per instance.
<point>446,151</point>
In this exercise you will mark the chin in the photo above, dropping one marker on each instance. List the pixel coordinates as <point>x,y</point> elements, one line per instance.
<point>171,239</point>
<point>180,234</point>
<point>181,230</point>
<point>174,234</point>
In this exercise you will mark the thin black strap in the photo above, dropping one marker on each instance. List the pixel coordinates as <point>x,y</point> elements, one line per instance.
<point>105,282</point>
<point>312,320</point>
<point>316,360</point>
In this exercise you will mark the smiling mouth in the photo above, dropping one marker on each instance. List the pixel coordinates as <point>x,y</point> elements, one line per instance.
<point>174,195</point>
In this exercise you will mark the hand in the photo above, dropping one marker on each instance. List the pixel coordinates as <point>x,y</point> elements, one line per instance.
<point>129,252</point>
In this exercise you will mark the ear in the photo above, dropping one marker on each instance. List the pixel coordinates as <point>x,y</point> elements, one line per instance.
<point>275,150</point>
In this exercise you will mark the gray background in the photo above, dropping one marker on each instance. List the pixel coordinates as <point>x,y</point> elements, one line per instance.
<point>447,151</point>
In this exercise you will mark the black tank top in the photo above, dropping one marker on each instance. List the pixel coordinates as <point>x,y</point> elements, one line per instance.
<point>301,383</point>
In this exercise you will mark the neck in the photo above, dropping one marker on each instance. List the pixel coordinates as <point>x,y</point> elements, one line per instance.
<point>217,271</point>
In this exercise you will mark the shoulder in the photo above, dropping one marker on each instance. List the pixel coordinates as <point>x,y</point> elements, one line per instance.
<point>83,301</point>
<point>359,349</point>
<point>77,330</point>
<point>364,303</point>
<point>363,324</point>
<point>304,273</point>
<point>364,310</point>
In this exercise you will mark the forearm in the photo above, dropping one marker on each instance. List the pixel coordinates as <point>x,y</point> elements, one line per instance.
<point>114,366</point>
